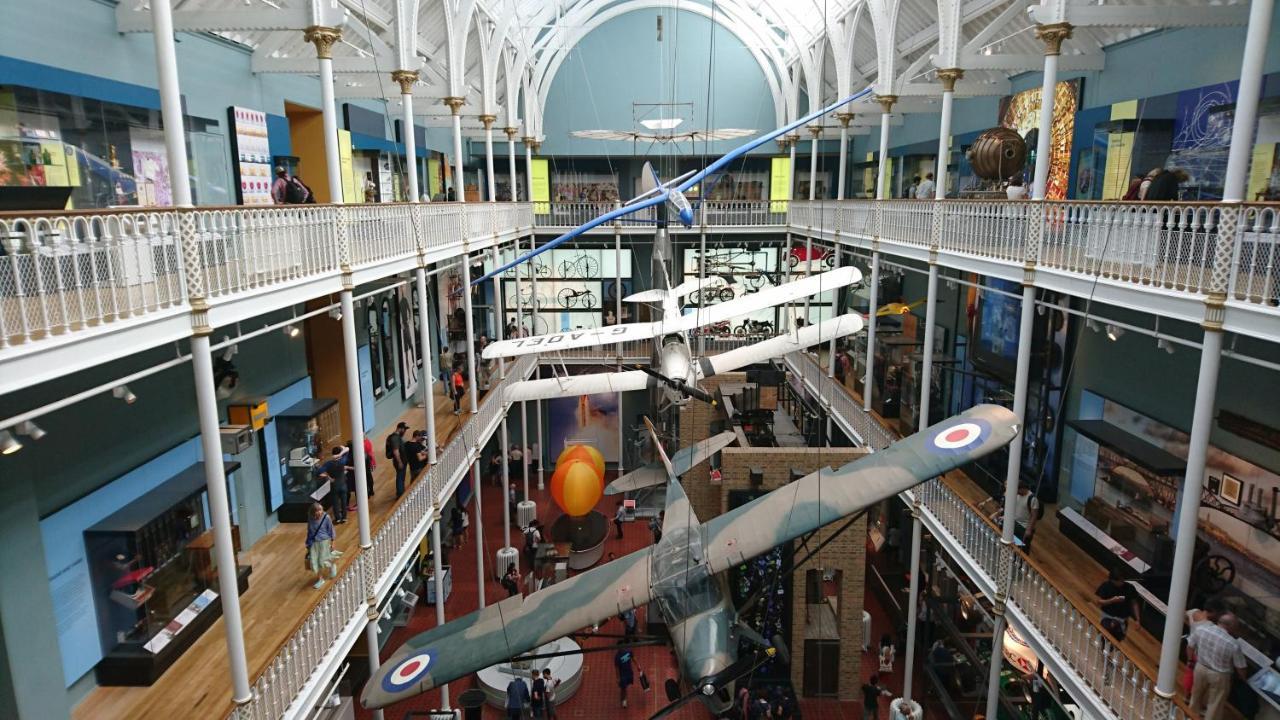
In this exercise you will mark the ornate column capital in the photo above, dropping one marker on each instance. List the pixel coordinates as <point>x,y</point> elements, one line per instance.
<point>793,138</point>
<point>406,78</point>
<point>815,131</point>
<point>511,132</point>
<point>783,143</point>
<point>948,78</point>
<point>1053,34</point>
<point>845,118</point>
<point>488,120</point>
<point>455,104</point>
<point>887,102</point>
<point>536,145</point>
<point>324,38</point>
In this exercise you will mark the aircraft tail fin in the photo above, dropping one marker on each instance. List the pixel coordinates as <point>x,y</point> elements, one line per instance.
<point>682,461</point>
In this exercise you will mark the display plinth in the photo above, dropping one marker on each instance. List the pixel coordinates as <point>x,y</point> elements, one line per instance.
<point>526,512</point>
<point>901,709</point>
<point>506,557</point>
<point>566,668</point>
<point>585,536</point>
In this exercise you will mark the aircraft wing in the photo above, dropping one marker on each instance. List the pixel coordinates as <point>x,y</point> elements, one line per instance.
<point>509,628</point>
<point>682,462</point>
<point>572,339</point>
<point>783,344</point>
<point>575,385</point>
<point>770,297</point>
<point>828,495</point>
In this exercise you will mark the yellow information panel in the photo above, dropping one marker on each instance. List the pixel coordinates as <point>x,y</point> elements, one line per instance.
<point>1260,168</point>
<point>345,169</point>
<point>887,180</point>
<point>1127,110</point>
<point>780,184</point>
<point>1115,175</point>
<point>540,193</point>
<point>433,177</point>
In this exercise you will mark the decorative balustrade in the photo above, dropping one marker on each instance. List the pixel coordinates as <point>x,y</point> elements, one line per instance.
<point>345,604</point>
<point>1103,667</point>
<point>67,271</point>
<point>1166,245</point>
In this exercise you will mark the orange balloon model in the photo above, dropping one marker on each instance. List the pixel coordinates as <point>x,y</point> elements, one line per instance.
<point>575,487</point>
<point>585,453</point>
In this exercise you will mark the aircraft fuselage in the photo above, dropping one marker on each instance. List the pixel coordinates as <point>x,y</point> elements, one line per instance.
<point>705,640</point>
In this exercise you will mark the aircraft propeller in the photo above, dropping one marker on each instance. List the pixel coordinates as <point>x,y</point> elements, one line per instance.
<point>692,391</point>
<point>717,682</point>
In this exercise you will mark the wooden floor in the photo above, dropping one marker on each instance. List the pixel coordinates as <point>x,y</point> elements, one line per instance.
<point>280,596</point>
<point>1057,558</point>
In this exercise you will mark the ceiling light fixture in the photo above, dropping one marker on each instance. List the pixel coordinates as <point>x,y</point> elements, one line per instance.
<point>1114,332</point>
<point>30,429</point>
<point>8,443</point>
<point>1165,345</point>
<point>1092,324</point>
<point>335,313</point>
<point>122,392</point>
<point>292,331</point>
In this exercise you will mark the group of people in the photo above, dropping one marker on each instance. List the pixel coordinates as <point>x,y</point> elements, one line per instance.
<point>339,472</point>
<point>920,189</point>
<point>407,455</point>
<point>768,703</point>
<point>538,700</point>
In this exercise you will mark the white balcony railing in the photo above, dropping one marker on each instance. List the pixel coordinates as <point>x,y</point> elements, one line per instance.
<point>1171,246</point>
<point>289,685</point>
<point>68,271</point>
<point>1099,666</point>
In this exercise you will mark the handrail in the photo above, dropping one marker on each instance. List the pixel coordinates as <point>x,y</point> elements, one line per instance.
<point>1079,638</point>
<point>280,687</point>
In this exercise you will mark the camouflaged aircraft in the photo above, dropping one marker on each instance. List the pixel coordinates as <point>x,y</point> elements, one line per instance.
<point>685,572</point>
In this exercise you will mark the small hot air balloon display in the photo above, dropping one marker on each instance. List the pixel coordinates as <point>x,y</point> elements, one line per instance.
<point>577,484</point>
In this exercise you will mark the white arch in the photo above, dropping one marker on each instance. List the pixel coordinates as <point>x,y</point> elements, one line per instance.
<point>549,66</point>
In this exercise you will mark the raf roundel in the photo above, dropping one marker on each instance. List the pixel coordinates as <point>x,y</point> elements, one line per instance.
<point>408,672</point>
<point>959,437</point>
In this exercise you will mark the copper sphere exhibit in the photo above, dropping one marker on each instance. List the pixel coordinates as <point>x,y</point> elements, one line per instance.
<point>998,154</point>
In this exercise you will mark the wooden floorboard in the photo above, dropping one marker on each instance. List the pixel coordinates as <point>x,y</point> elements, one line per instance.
<point>280,596</point>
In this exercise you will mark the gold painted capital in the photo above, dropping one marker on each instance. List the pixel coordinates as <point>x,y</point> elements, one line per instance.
<point>845,118</point>
<point>511,132</point>
<point>324,38</point>
<point>783,143</point>
<point>488,120</point>
<point>887,102</point>
<point>1053,35</point>
<point>948,78</point>
<point>815,131</point>
<point>536,145</point>
<point>455,104</point>
<point>406,78</point>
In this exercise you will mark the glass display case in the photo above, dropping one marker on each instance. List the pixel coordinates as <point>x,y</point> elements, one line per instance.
<point>892,358</point>
<point>909,403</point>
<point>152,569</point>
<point>305,432</point>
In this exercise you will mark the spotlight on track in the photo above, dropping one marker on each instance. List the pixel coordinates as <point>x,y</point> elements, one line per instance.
<point>1114,332</point>
<point>292,331</point>
<point>1092,324</point>
<point>122,392</point>
<point>1040,310</point>
<point>335,313</point>
<point>30,429</point>
<point>8,443</point>
<point>1165,345</point>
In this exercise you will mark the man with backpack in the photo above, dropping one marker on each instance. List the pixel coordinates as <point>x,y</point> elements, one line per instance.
<point>290,190</point>
<point>395,453</point>
<point>1026,511</point>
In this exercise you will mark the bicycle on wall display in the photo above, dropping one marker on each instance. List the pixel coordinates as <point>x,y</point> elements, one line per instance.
<point>571,298</point>
<point>527,299</point>
<point>540,268</point>
<point>583,266</point>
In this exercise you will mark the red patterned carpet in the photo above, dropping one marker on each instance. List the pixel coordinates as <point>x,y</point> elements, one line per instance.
<point>598,696</point>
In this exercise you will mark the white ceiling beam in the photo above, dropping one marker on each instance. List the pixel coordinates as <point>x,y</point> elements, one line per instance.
<point>131,18</point>
<point>1150,15</point>
<point>964,88</point>
<point>1028,61</point>
<point>998,23</point>
<point>351,64</point>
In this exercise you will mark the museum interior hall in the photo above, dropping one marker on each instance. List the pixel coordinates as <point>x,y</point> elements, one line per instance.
<point>640,359</point>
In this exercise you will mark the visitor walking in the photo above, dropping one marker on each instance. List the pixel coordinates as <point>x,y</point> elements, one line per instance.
<point>872,691</point>
<point>459,385</point>
<point>517,698</point>
<point>395,453</point>
<point>926,188</point>
<point>549,694</point>
<point>1216,653</point>
<point>1116,604</point>
<point>511,581</point>
<point>618,516</point>
<point>622,662</point>
<point>335,471</point>
<point>320,536</point>
<point>630,626</point>
<point>458,525</point>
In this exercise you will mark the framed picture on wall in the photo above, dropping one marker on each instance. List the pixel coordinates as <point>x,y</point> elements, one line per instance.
<point>1230,489</point>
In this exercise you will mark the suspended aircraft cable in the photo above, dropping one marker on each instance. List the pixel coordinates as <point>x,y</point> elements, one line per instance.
<point>386,105</point>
